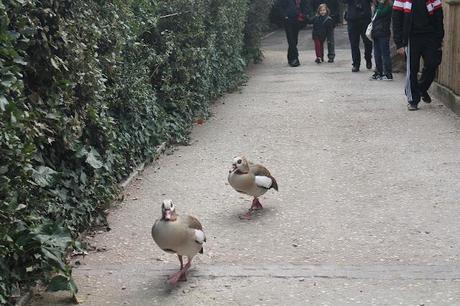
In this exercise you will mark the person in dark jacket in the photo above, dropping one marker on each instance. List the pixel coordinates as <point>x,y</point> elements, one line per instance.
<point>358,17</point>
<point>334,13</point>
<point>294,13</point>
<point>418,32</point>
<point>322,26</point>
<point>381,36</point>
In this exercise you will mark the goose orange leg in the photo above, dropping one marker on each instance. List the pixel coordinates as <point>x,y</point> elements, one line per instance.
<point>183,278</point>
<point>256,204</point>
<point>180,275</point>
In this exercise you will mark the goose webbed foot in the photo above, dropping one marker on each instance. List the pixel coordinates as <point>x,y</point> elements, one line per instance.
<point>246,216</point>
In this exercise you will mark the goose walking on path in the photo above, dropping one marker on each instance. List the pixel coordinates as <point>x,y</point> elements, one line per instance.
<point>251,179</point>
<point>182,235</point>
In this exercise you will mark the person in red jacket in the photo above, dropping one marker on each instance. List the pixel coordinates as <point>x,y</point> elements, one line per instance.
<point>418,32</point>
<point>293,13</point>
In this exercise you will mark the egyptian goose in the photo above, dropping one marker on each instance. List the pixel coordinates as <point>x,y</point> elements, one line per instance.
<point>251,179</point>
<point>182,235</point>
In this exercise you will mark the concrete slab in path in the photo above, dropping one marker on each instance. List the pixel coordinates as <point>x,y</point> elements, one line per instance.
<point>367,213</point>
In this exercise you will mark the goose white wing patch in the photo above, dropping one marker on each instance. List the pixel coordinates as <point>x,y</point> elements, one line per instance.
<point>263,181</point>
<point>199,236</point>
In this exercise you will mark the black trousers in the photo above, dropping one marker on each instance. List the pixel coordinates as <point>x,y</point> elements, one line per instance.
<point>421,46</point>
<point>292,34</point>
<point>330,44</point>
<point>357,29</point>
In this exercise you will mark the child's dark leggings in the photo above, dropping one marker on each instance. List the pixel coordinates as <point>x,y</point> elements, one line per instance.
<point>319,47</point>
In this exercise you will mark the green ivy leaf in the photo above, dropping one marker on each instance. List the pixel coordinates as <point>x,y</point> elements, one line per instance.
<point>81,152</point>
<point>3,169</point>
<point>53,234</point>
<point>93,158</point>
<point>21,206</point>
<point>3,103</point>
<point>7,83</point>
<point>59,283</point>
<point>54,64</point>
<point>53,259</point>
<point>83,178</point>
<point>43,176</point>
<point>20,61</point>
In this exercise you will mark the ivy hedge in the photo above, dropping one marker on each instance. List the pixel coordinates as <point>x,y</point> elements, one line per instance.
<point>88,90</point>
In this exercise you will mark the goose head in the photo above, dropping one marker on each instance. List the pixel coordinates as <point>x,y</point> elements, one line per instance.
<point>168,210</point>
<point>240,164</point>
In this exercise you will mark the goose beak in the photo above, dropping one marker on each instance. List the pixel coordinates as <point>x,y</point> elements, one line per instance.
<point>168,214</point>
<point>233,168</point>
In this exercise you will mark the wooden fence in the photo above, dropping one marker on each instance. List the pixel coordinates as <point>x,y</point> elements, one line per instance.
<point>449,71</point>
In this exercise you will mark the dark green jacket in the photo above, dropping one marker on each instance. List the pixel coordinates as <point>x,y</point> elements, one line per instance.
<point>382,21</point>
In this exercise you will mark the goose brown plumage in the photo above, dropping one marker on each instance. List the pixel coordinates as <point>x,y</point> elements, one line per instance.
<point>179,234</point>
<point>251,179</point>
